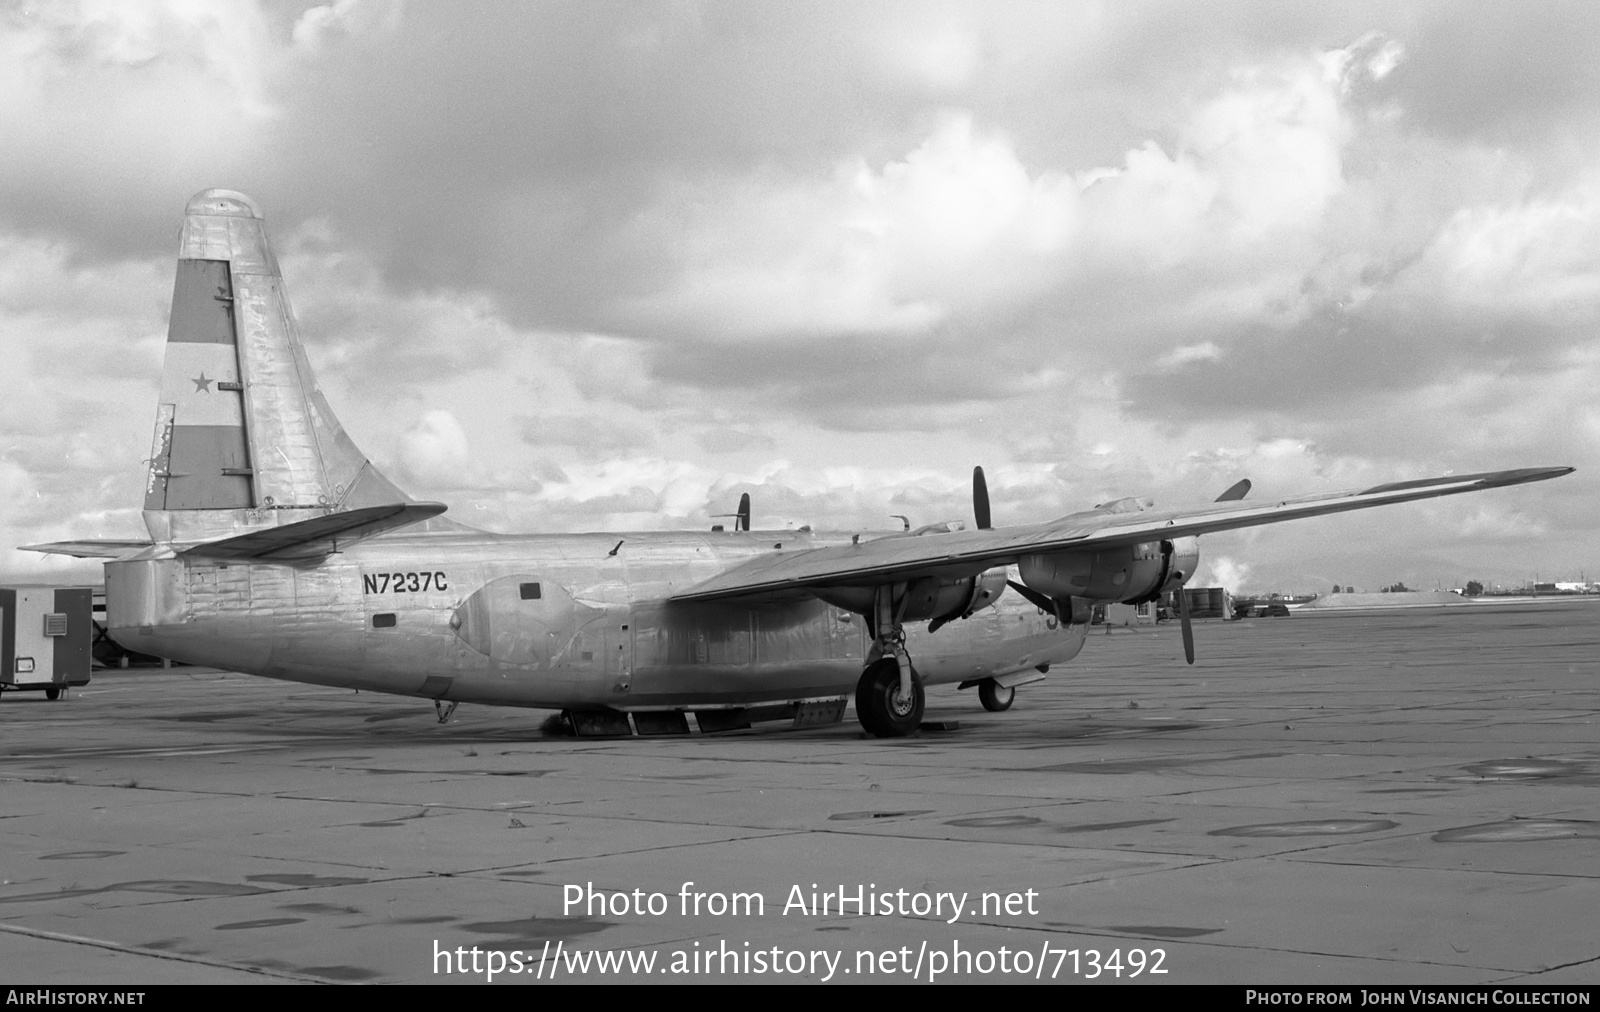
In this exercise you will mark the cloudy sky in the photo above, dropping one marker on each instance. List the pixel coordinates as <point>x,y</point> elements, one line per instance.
<point>580,266</point>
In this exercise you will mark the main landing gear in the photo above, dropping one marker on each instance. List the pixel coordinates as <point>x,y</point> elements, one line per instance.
<point>889,697</point>
<point>883,708</point>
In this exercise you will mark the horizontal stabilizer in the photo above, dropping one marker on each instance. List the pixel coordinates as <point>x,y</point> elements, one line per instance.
<point>92,548</point>
<point>318,537</point>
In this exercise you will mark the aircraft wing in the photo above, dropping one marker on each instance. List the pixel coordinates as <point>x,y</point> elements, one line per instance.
<point>962,553</point>
<point>91,548</point>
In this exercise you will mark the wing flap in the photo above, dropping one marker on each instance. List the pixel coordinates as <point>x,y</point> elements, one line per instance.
<point>318,537</point>
<point>970,552</point>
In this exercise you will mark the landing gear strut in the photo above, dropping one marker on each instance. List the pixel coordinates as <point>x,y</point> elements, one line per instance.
<point>444,709</point>
<point>889,697</point>
<point>995,697</point>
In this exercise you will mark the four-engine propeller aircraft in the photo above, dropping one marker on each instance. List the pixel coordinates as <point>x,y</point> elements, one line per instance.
<point>277,548</point>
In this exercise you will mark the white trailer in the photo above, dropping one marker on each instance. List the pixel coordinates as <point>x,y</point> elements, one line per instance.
<point>45,633</point>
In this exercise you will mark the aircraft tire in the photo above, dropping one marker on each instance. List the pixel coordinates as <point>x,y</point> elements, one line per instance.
<point>880,707</point>
<point>52,693</point>
<point>996,698</point>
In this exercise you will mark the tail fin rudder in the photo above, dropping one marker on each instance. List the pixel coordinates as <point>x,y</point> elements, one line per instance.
<point>244,438</point>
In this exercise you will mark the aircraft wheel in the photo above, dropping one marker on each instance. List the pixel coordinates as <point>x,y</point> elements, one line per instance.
<point>881,707</point>
<point>996,698</point>
<point>52,693</point>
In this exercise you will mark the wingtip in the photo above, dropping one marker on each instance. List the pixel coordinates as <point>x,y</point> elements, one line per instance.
<point>1483,479</point>
<point>1527,474</point>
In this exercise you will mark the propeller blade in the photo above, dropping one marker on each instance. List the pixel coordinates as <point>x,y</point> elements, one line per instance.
<point>1032,596</point>
<point>1044,602</point>
<point>743,523</point>
<point>980,499</point>
<point>1238,490</point>
<point>1188,628</point>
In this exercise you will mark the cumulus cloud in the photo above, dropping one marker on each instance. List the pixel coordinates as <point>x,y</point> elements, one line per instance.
<point>955,223</point>
<point>1205,351</point>
<point>434,450</point>
<point>959,231</point>
<point>1228,573</point>
<point>1526,258</point>
<point>593,265</point>
<point>596,435</point>
<point>317,26</point>
<point>107,103</point>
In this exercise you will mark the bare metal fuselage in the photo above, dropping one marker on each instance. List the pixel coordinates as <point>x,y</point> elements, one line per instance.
<point>559,621</point>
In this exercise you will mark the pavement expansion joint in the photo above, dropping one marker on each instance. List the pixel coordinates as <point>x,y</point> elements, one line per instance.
<point>139,950</point>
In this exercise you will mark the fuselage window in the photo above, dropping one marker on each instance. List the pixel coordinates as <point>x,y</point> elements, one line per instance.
<point>383,620</point>
<point>530,592</point>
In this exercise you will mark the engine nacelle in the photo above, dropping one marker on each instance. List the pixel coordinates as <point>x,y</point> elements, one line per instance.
<point>1130,574</point>
<point>1185,561</point>
<point>937,598</point>
<point>986,590</point>
<point>1111,574</point>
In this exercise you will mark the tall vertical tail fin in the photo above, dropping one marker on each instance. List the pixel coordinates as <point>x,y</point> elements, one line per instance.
<point>244,439</point>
